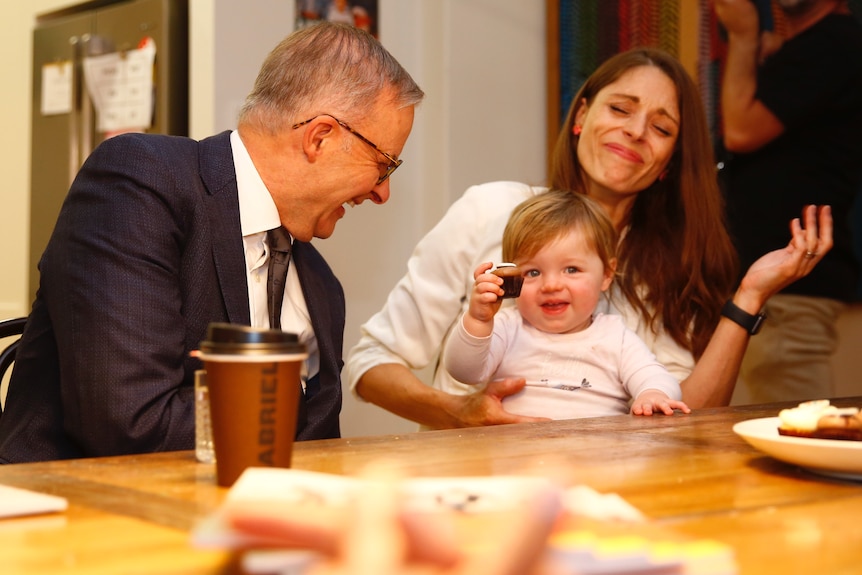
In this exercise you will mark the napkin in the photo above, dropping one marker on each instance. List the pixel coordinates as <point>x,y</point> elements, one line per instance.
<point>16,502</point>
<point>583,501</point>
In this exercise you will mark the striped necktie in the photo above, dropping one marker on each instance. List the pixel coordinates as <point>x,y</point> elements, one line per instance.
<point>279,260</point>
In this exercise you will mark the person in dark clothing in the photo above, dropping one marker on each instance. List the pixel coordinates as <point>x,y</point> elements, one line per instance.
<point>792,115</point>
<point>159,236</point>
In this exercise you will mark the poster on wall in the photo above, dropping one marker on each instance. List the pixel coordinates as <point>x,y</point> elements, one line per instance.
<point>359,13</point>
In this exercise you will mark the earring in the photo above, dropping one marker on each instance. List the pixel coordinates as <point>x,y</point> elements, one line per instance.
<point>662,176</point>
<point>576,130</point>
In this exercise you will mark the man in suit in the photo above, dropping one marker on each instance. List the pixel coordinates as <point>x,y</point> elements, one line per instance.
<point>160,236</point>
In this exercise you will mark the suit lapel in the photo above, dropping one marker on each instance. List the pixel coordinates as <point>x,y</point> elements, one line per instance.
<point>314,292</point>
<point>219,177</point>
<point>325,303</point>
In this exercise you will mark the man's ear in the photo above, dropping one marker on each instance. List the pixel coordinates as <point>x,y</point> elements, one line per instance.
<point>317,136</point>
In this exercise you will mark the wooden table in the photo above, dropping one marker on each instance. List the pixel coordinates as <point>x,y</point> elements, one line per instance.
<point>690,474</point>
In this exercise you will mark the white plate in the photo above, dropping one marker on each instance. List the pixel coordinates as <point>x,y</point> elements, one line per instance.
<point>833,457</point>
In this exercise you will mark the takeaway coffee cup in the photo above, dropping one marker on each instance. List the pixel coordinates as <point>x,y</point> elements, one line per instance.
<point>512,279</point>
<point>254,388</point>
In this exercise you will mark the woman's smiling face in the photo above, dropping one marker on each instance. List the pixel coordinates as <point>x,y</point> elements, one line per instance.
<point>629,132</point>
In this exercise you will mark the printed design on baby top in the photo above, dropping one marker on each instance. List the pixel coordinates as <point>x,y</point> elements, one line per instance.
<point>563,373</point>
<point>562,385</point>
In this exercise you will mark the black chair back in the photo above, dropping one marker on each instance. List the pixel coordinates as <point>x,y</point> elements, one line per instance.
<point>9,328</point>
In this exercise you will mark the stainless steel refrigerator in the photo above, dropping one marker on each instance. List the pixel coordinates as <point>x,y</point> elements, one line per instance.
<point>67,123</point>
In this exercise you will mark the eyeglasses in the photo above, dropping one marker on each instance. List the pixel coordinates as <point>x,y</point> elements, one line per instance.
<point>385,172</point>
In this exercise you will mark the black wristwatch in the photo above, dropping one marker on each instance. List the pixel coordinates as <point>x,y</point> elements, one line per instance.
<point>750,323</point>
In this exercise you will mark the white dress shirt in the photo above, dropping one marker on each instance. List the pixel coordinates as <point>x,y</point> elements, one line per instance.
<point>258,214</point>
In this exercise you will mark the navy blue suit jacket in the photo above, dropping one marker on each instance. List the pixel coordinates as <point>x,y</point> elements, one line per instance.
<point>146,252</point>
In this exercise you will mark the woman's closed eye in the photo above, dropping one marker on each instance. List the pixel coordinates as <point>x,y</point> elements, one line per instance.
<point>661,128</point>
<point>664,130</point>
<point>619,110</point>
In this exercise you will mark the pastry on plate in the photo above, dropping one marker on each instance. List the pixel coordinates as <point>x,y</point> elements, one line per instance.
<point>819,419</point>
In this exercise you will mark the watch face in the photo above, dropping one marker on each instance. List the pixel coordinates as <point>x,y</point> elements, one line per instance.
<point>758,323</point>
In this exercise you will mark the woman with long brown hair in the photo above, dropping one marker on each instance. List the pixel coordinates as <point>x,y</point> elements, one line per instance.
<point>636,141</point>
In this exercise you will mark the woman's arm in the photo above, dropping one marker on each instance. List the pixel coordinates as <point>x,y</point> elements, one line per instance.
<point>714,376</point>
<point>712,381</point>
<point>395,388</point>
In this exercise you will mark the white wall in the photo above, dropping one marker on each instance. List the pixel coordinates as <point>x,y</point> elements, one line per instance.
<point>15,57</point>
<point>480,62</point>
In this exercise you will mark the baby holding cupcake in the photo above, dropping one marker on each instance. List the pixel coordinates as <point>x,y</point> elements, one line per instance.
<point>577,362</point>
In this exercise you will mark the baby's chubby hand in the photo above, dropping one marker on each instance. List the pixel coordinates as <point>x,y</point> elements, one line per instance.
<point>653,401</point>
<point>488,285</point>
<point>486,297</point>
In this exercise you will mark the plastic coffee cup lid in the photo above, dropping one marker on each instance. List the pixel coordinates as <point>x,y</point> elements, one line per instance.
<point>225,341</point>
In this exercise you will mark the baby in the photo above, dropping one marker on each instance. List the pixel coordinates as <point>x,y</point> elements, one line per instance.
<point>576,363</point>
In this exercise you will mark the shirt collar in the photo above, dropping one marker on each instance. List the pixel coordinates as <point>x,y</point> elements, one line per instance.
<point>257,211</point>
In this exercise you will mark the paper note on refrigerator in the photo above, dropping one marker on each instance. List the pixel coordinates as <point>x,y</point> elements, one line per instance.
<point>57,88</point>
<point>120,85</point>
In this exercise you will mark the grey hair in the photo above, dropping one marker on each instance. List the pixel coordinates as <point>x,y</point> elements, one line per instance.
<point>325,68</point>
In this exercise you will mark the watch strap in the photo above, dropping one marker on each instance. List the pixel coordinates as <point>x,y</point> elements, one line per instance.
<point>749,322</point>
